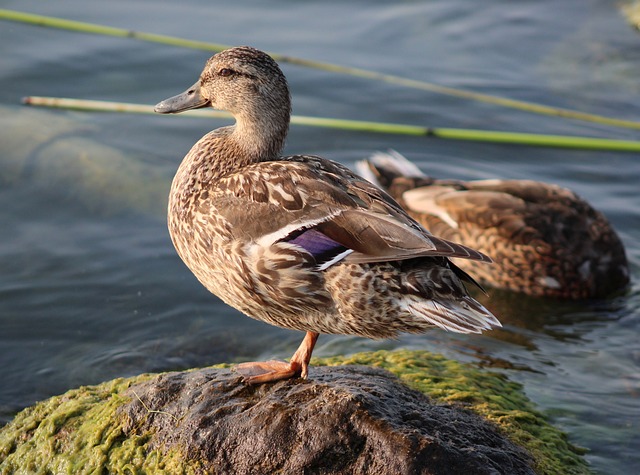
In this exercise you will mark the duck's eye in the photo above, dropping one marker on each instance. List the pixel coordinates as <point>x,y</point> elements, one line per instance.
<point>225,72</point>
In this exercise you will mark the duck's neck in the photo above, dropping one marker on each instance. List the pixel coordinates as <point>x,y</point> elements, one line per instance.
<point>227,150</point>
<point>260,137</point>
<point>257,136</point>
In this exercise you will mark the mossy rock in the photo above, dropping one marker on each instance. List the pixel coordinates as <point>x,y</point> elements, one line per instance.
<point>489,394</point>
<point>87,431</point>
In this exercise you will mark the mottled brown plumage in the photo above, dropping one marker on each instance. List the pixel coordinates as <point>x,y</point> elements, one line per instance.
<point>544,240</point>
<point>301,242</point>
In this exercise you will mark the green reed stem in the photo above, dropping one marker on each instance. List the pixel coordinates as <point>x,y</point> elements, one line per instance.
<point>531,107</point>
<point>538,140</point>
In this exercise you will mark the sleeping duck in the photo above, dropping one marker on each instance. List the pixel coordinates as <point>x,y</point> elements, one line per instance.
<point>299,241</point>
<point>544,240</point>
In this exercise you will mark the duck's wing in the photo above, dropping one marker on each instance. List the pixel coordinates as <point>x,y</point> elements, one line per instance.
<point>521,211</point>
<point>489,211</point>
<point>483,203</point>
<point>322,207</point>
<point>530,191</point>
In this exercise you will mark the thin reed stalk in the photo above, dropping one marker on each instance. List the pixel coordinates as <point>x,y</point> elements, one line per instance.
<point>526,106</point>
<point>538,140</point>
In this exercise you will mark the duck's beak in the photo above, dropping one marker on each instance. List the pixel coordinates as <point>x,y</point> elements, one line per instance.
<point>189,99</point>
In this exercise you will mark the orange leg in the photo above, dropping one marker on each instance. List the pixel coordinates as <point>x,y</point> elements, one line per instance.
<point>270,371</point>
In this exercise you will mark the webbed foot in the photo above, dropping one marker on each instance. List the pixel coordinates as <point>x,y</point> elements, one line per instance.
<point>258,372</point>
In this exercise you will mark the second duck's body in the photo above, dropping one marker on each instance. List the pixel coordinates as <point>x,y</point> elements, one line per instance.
<point>544,239</point>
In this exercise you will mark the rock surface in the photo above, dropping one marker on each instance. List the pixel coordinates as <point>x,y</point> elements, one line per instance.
<point>344,419</point>
<point>347,420</point>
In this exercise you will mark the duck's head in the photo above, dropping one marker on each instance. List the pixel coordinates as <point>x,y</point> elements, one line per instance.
<point>241,80</point>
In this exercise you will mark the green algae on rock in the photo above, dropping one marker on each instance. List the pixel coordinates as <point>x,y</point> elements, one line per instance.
<point>86,430</point>
<point>79,432</point>
<point>489,394</point>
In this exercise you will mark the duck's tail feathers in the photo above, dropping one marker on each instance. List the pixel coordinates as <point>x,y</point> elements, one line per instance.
<point>465,315</point>
<point>384,166</point>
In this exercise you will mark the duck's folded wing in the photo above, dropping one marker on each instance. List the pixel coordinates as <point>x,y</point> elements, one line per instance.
<point>528,190</point>
<point>376,237</point>
<point>488,208</point>
<point>329,212</point>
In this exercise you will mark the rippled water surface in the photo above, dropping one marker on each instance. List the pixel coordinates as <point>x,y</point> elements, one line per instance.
<point>91,288</point>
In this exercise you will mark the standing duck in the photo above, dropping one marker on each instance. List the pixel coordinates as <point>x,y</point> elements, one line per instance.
<point>544,240</point>
<point>301,242</point>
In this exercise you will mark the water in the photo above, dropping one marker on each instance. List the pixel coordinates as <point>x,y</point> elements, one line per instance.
<point>91,288</point>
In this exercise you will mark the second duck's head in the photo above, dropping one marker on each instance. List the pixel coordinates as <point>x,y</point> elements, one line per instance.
<point>243,81</point>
